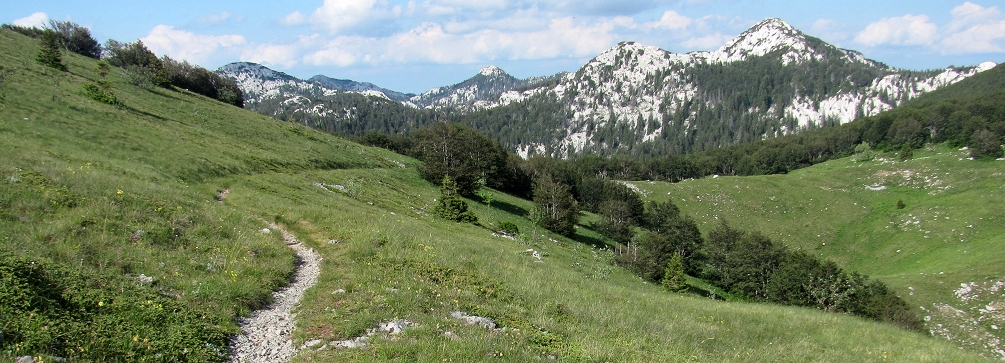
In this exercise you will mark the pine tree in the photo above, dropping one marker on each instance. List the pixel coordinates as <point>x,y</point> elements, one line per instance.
<point>450,205</point>
<point>49,53</point>
<point>673,277</point>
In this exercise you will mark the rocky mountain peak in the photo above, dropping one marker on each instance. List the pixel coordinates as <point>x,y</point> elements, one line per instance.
<point>765,37</point>
<point>492,71</point>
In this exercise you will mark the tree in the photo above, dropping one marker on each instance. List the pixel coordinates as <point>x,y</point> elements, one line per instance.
<point>555,208</point>
<point>863,152</point>
<point>906,152</point>
<point>985,144</point>
<point>76,38</point>
<point>136,58</point>
<point>673,278</point>
<point>450,206</point>
<point>462,153</point>
<point>49,54</point>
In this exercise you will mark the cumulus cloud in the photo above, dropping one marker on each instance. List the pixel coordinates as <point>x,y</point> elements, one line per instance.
<point>214,18</point>
<point>429,42</point>
<point>671,20</point>
<point>342,16</point>
<point>829,30</point>
<point>38,19</point>
<point>974,29</point>
<point>707,42</point>
<point>904,30</point>
<point>188,46</point>
<point>295,18</point>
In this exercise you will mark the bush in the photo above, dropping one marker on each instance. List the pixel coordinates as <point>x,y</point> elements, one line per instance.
<point>985,144</point>
<point>508,228</point>
<point>23,30</point>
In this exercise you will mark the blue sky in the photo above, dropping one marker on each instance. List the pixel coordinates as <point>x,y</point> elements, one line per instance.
<point>415,45</point>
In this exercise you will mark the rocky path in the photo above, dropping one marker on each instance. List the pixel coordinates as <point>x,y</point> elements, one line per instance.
<point>265,334</point>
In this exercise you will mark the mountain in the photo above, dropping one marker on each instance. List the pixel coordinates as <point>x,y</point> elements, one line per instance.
<point>337,106</point>
<point>360,87</point>
<point>488,84</point>
<point>770,80</point>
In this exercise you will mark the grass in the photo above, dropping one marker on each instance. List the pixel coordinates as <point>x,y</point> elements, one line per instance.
<point>82,179</point>
<point>949,232</point>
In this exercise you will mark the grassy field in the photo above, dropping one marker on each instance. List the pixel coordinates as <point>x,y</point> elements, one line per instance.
<point>950,231</point>
<point>110,195</point>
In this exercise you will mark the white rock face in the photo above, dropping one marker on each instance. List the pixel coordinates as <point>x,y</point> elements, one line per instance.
<point>631,83</point>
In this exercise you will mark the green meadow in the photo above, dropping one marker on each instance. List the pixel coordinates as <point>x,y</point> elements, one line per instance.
<point>96,198</point>
<point>950,231</point>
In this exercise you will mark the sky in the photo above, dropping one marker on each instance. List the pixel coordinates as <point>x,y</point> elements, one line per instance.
<point>415,45</point>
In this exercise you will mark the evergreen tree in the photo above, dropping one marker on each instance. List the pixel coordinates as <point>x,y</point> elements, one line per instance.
<point>49,54</point>
<point>451,206</point>
<point>673,278</point>
<point>906,152</point>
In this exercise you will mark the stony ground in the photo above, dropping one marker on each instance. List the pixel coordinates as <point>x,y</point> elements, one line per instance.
<point>266,334</point>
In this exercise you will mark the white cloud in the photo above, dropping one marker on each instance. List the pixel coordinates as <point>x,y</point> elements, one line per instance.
<point>214,18</point>
<point>38,19</point>
<point>828,30</point>
<point>707,42</point>
<point>339,16</point>
<point>671,20</point>
<point>429,42</point>
<point>974,29</point>
<point>295,18</point>
<point>184,45</point>
<point>904,30</point>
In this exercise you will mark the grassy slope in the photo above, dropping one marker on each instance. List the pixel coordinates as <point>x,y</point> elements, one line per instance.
<point>950,232</point>
<point>169,152</point>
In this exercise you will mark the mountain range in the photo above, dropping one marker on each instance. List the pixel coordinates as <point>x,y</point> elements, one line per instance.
<point>771,80</point>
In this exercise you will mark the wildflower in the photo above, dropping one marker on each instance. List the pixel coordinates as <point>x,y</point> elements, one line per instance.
<point>118,191</point>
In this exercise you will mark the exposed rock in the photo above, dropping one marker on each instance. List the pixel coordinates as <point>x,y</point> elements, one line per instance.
<point>265,334</point>
<point>474,320</point>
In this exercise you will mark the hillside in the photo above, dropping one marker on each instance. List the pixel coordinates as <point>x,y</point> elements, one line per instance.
<point>941,252</point>
<point>122,202</point>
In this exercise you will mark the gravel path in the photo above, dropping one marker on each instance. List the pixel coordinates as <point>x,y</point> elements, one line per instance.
<point>265,334</point>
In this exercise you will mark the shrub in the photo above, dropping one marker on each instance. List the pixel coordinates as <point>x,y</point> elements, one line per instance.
<point>508,228</point>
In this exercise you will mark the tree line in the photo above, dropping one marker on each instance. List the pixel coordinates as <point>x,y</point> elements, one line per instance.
<point>140,65</point>
<point>654,240</point>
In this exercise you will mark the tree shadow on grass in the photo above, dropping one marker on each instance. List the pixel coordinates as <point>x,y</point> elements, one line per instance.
<point>510,208</point>
<point>590,241</point>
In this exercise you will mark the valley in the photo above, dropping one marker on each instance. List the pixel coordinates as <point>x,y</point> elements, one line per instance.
<point>146,228</point>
